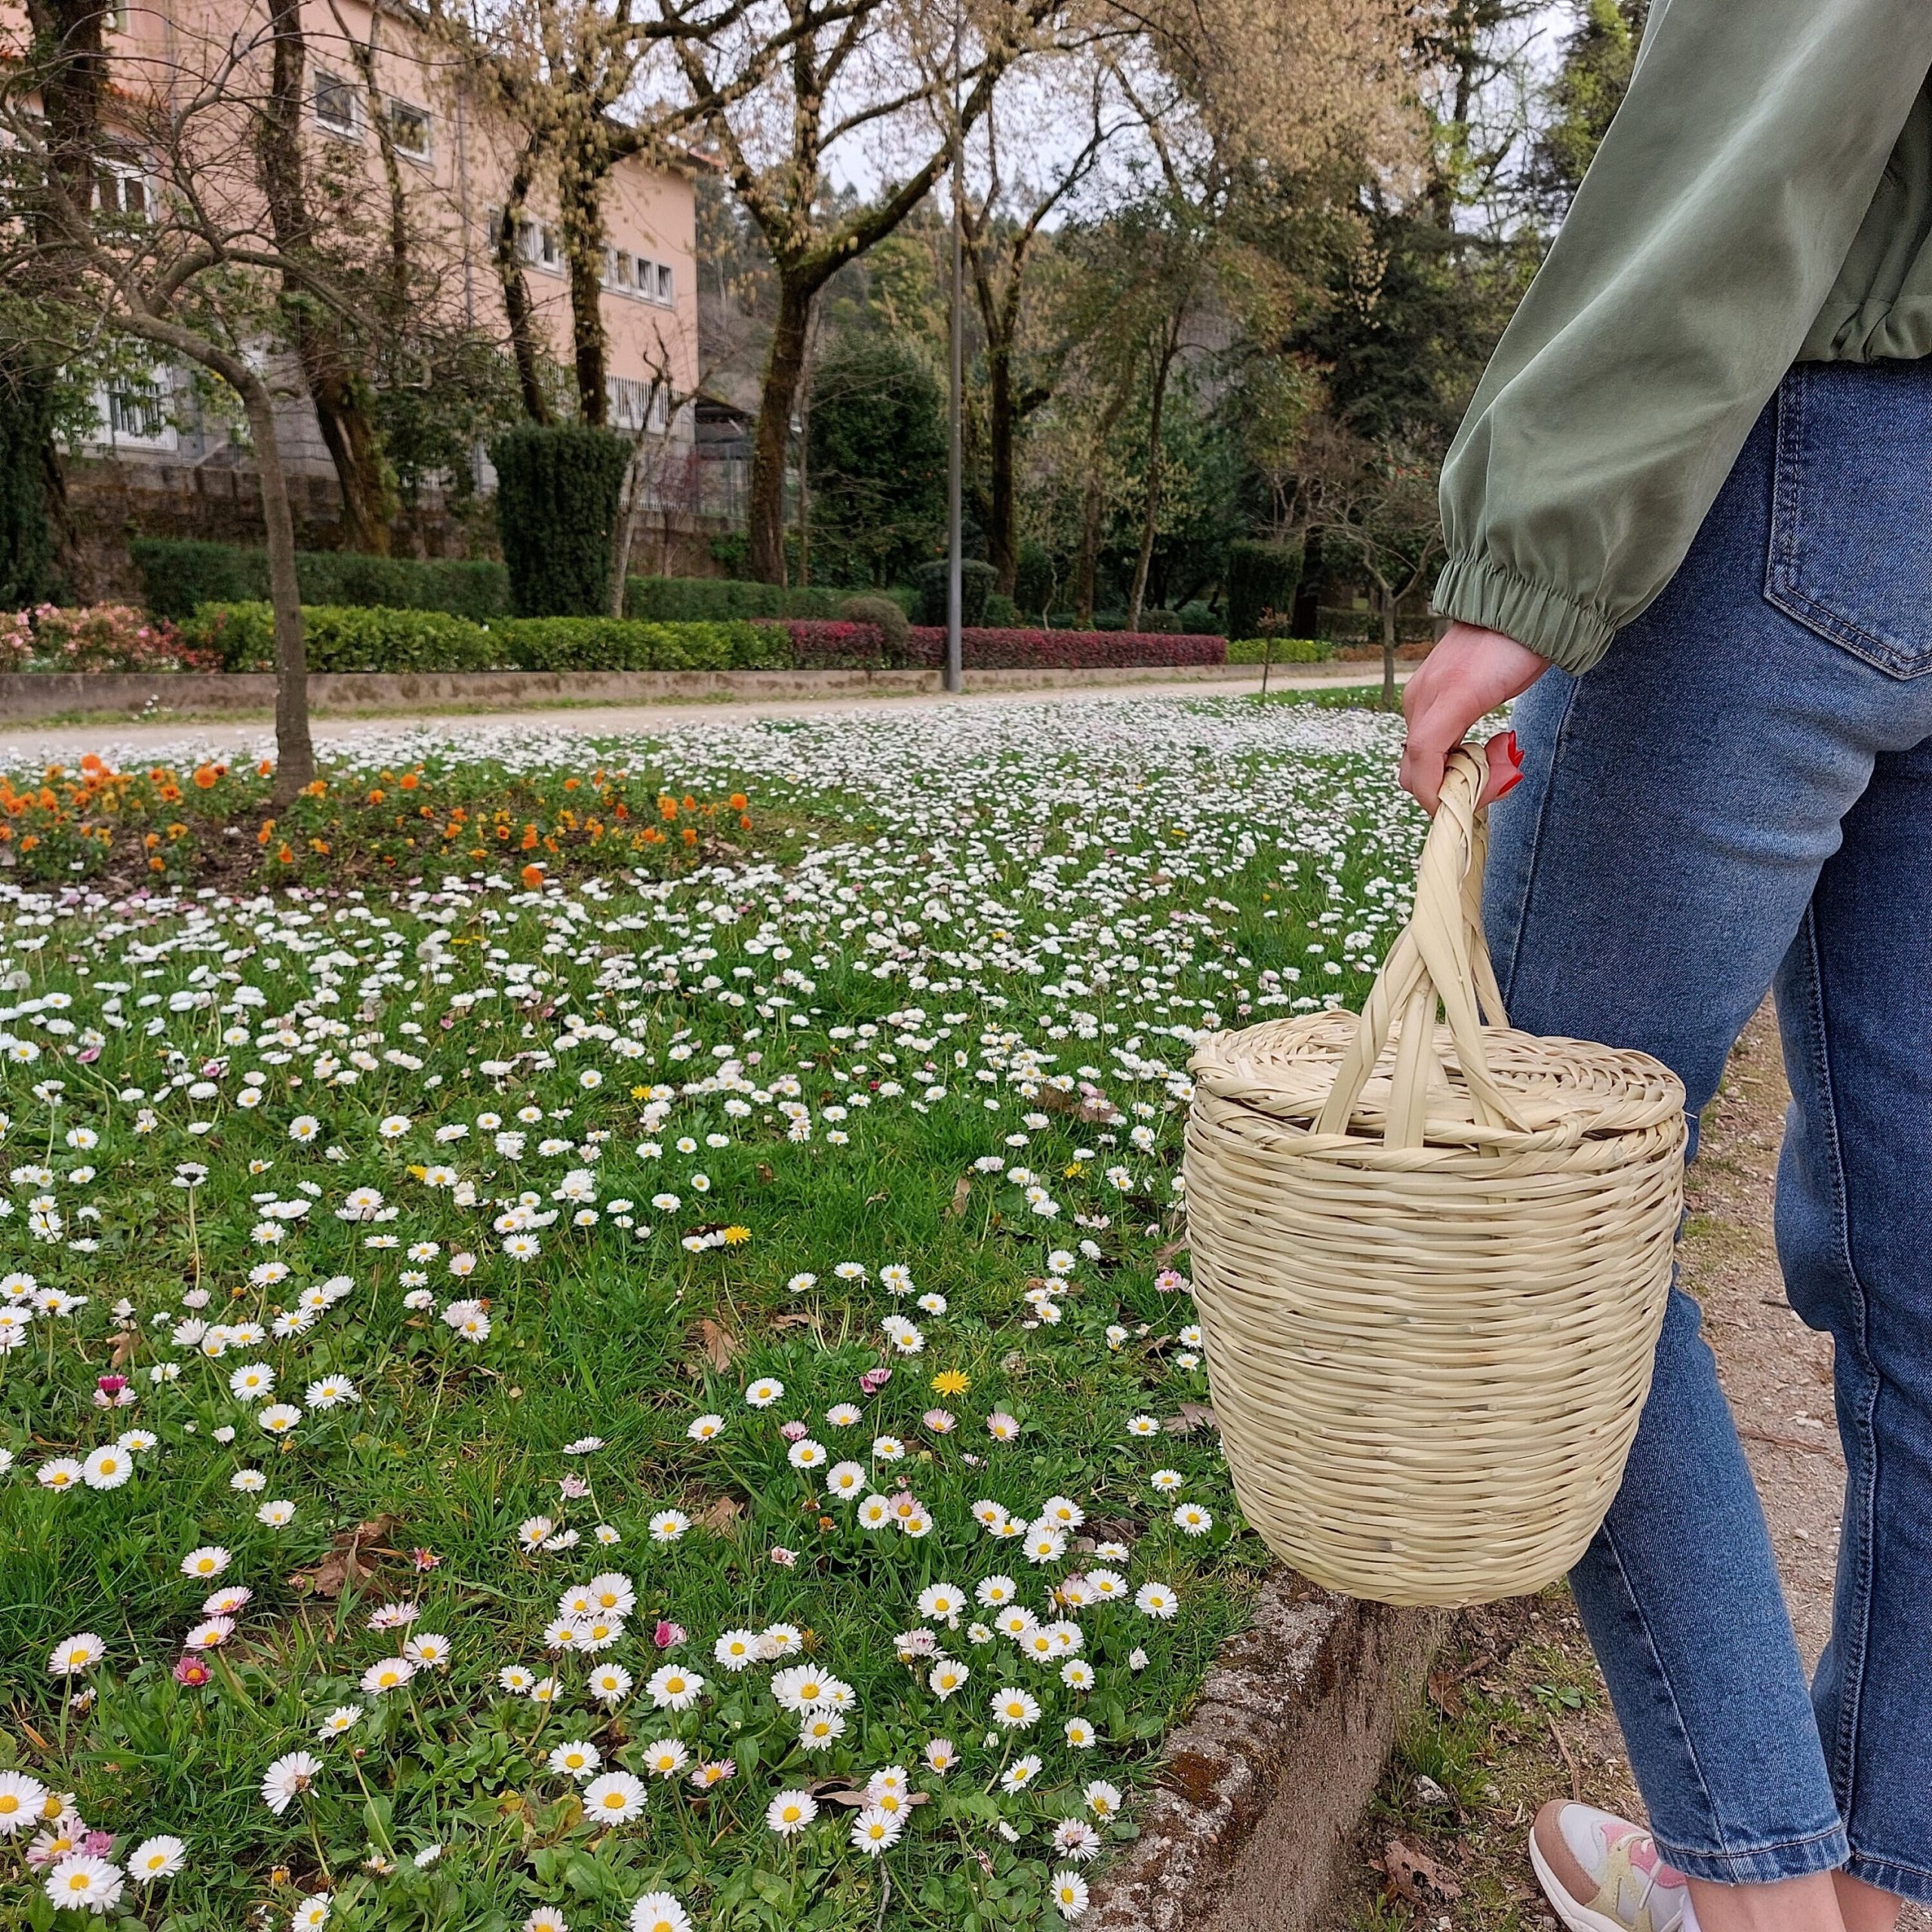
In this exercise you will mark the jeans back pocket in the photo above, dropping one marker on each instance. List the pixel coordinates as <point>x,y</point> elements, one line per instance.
<point>1851,511</point>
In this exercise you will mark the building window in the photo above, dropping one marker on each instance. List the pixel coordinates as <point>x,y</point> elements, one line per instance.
<point>636,405</point>
<point>409,129</point>
<point>335,104</point>
<point>138,409</point>
<point>122,190</point>
<point>664,281</point>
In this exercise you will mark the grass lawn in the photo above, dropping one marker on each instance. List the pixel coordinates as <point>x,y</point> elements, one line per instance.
<point>601,1382</point>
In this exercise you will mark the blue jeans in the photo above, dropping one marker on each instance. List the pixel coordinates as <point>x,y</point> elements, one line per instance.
<point>1740,798</point>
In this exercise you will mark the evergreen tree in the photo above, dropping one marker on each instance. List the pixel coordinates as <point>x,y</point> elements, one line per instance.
<point>1598,60</point>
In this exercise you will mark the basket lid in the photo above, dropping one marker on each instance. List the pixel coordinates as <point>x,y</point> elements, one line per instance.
<point>1286,1069</point>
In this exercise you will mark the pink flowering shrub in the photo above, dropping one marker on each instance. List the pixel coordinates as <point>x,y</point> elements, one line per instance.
<point>95,637</point>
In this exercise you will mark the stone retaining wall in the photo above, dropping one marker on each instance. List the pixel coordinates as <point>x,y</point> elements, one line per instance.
<point>1262,1787</point>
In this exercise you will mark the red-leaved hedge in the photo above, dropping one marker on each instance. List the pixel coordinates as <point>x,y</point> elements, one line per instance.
<point>828,643</point>
<point>820,644</point>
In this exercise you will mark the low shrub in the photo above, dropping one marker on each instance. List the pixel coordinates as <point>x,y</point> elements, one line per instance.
<point>716,599</point>
<point>886,614</point>
<point>987,649</point>
<point>178,576</point>
<point>94,637</point>
<point>1198,619</point>
<point>1280,650</point>
<point>242,637</point>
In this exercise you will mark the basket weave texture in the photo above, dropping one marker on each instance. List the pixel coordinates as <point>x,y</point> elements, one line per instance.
<point>1431,1262</point>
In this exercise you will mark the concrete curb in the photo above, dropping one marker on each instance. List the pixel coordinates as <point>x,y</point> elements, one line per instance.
<point>1262,1787</point>
<point>26,695</point>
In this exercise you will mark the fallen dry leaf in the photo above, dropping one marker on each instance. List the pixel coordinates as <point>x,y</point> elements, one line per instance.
<point>352,1559</point>
<point>125,1342</point>
<point>962,1192</point>
<point>719,1345</point>
<point>1188,1418</point>
<point>722,1514</point>
<point>1409,1869</point>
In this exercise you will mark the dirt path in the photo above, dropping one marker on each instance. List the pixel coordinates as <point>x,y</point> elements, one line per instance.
<point>68,741</point>
<point>1517,1711</point>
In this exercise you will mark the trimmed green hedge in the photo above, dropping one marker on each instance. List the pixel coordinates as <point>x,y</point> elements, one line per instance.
<point>631,643</point>
<point>714,599</point>
<point>178,576</point>
<point>1284,651</point>
<point>558,487</point>
<point>351,638</point>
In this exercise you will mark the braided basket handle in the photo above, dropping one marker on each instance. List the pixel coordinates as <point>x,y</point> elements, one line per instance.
<point>1441,956</point>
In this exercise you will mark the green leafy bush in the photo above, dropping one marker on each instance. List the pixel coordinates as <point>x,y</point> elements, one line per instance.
<point>1198,619</point>
<point>976,585</point>
<point>714,599</point>
<point>886,616</point>
<point>350,638</point>
<point>178,576</point>
<point>627,643</point>
<point>1262,580</point>
<point>557,489</point>
<point>1279,650</point>
<point>345,637</point>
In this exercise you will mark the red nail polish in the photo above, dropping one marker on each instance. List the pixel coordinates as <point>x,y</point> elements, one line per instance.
<point>1515,751</point>
<point>1503,791</point>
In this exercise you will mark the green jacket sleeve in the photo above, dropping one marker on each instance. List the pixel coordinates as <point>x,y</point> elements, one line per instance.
<point>1705,237</point>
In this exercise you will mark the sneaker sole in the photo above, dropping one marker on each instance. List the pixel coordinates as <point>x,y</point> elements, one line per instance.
<point>1577,1917</point>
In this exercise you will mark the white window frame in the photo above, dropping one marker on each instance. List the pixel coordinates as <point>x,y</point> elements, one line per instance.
<point>155,399</point>
<point>626,396</point>
<point>403,113</point>
<point>664,286</point>
<point>333,86</point>
<point>121,172</point>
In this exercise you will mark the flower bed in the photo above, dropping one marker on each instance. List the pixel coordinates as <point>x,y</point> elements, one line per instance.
<point>97,637</point>
<point>159,824</point>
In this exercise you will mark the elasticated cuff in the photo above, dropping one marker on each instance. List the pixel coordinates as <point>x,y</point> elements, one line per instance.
<point>1480,592</point>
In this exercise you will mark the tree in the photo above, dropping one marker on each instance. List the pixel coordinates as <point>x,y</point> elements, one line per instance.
<point>1000,236</point>
<point>869,68</point>
<point>1373,505</point>
<point>197,273</point>
<point>1592,79</point>
<point>338,390</point>
<point>878,448</point>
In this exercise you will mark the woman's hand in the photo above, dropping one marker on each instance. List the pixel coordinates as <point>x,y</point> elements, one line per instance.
<point>1467,675</point>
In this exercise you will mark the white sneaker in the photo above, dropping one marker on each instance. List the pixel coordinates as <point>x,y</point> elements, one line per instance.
<point>1604,1874</point>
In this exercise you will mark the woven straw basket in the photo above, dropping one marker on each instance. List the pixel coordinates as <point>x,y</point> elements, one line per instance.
<point>1430,1262</point>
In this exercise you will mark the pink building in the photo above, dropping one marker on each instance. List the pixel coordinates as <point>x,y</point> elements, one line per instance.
<point>456,151</point>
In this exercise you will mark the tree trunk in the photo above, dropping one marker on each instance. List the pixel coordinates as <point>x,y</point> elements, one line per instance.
<point>295,750</point>
<point>784,369</point>
<point>1093,501</point>
<point>349,429</point>
<point>1002,541</point>
<point>72,89</point>
<point>516,290</point>
<point>1150,518</point>
<point>582,213</point>
<point>342,409</point>
<point>1387,597</point>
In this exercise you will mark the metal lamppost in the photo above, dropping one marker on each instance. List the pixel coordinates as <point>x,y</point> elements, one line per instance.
<point>955,670</point>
